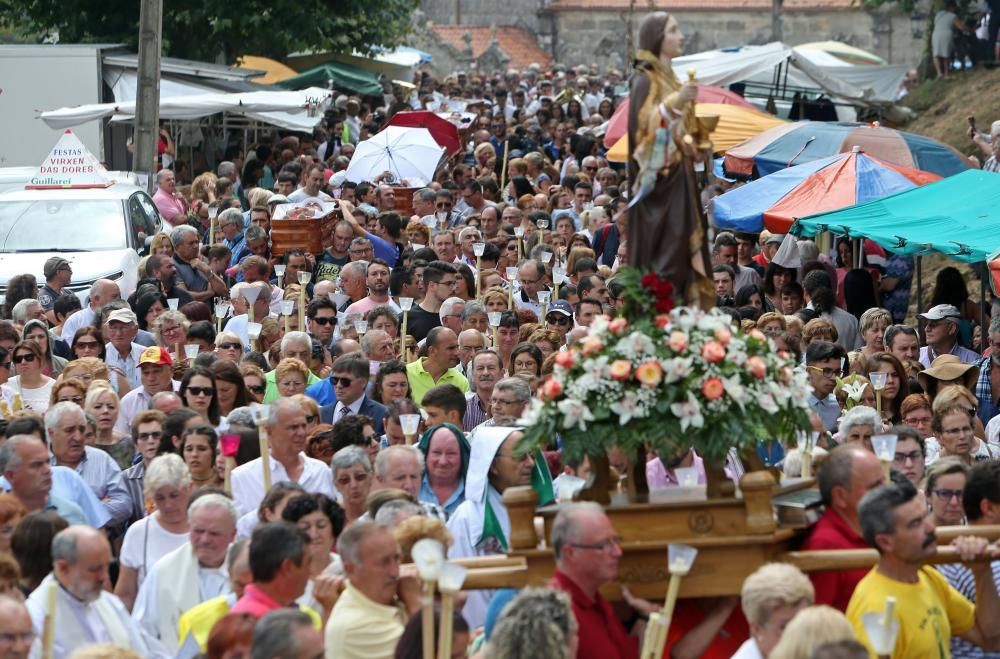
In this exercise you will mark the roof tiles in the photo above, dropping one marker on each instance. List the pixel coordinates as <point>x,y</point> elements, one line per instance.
<point>520,46</point>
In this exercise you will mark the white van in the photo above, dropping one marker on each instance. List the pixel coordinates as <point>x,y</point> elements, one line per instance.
<point>101,232</point>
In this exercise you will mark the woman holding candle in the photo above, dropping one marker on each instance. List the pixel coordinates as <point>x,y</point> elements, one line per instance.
<point>30,386</point>
<point>895,384</point>
<point>446,455</point>
<point>170,330</point>
<point>167,484</point>
<point>103,404</point>
<point>199,446</point>
<point>198,391</point>
<point>945,486</point>
<point>322,520</point>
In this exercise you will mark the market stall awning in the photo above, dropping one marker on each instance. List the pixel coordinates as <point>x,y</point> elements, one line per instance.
<point>348,77</point>
<point>958,217</point>
<point>274,71</point>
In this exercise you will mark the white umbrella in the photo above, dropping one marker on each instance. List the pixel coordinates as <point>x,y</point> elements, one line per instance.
<point>406,153</point>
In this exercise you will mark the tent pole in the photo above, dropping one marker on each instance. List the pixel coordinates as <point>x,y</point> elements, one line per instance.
<point>982,308</point>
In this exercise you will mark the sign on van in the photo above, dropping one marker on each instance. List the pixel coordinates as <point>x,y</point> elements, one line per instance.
<point>70,165</point>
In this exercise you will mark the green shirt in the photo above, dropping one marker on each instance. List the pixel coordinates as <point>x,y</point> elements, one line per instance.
<point>421,381</point>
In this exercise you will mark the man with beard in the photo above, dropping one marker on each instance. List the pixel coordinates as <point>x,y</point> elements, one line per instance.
<point>85,612</point>
<point>929,610</point>
<point>377,280</point>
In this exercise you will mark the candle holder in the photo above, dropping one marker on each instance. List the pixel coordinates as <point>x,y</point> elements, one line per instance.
<point>279,270</point>
<point>449,583</point>
<point>173,302</point>
<point>304,278</point>
<point>493,317</point>
<point>882,628</point>
<point>49,625</point>
<point>253,333</point>
<point>191,350</point>
<point>416,246</point>
<point>656,628</point>
<point>519,234</point>
<point>410,423</point>
<point>545,257</point>
<point>430,221</point>
<point>213,212</point>
<point>428,555</point>
<point>686,476</point>
<point>360,326</point>
<point>260,414</point>
<point>878,381</point>
<point>338,299</point>
<point>511,272</point>
<point>542,225</point>
<point>543,299</point>
<point>405,304</point>
<point>884,447</point>
<point>558,278</point>
<point>478,249</point>
<point>807,443</point>
<point>287,309</point>
<point>221,311</point>
<point>229,445</point>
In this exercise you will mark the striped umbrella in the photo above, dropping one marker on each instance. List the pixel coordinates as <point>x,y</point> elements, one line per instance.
<point>805,141</point>
<point>822,185</point>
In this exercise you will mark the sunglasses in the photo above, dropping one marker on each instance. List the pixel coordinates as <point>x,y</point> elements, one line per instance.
<point>557,320</point>
<point>5,365</point>
<point>151,435</point>
<point>230,346</point>
<point>342,382</point>
<point>29,357</point>
<point>256,388</point>
<point>444,205</point>
<point>323,321</point>
<point>87,344</point>
<point>201,391</point>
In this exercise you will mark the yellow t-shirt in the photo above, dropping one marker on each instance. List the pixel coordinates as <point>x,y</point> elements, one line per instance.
<point>930,612</point>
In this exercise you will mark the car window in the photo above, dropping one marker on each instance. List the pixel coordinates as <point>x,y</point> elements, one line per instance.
<point>61,224</point>
<point>143,223</point>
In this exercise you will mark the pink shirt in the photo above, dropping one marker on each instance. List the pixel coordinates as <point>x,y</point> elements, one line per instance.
<point>659,477</point>
<point>168,205</point>
<point>255,602</point>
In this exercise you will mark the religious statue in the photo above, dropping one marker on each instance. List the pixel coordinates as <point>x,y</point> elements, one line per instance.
<point>666,226</point>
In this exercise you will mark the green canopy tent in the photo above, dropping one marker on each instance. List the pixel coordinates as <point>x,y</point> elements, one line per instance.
<point>351,78</point>
<point>958,217</point>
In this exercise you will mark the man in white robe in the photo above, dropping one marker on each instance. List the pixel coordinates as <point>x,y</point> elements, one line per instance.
<point>84,612</point>
<point>191,574</point>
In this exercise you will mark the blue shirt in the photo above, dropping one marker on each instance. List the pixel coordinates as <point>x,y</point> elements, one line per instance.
<point>828,410</point>
<point>322,392</point>
<point>427,495</point>
<point>69,486</point>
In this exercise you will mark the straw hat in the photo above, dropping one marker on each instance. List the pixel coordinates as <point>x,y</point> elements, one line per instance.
<point>946,368</point>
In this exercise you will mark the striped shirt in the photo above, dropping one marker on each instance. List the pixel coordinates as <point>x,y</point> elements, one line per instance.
<point>961,579</point>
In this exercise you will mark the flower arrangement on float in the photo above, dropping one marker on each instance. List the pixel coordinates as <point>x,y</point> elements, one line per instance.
<point>666,379</point>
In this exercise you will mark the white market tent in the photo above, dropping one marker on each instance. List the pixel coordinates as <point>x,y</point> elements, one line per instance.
<point>779,65</point>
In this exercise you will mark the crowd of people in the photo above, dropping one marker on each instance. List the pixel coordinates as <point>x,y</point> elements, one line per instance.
<point>123,521</point>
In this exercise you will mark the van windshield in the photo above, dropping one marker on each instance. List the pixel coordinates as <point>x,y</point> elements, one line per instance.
<point>62,224</point>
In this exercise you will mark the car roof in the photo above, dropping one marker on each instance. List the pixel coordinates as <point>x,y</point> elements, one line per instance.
<point>114,192</point>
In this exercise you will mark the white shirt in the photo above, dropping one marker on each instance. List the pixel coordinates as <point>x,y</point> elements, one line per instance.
<point>147,542</point>
<point>248,480</point>
<point>355,407</point>
<point>129,364</point>
<point>81,318</point>
<point>748,650</point>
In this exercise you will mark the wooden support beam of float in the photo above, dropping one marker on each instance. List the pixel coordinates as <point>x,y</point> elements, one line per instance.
<point>855,559</point>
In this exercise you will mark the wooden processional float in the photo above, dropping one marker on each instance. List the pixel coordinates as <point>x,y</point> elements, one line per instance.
<point>733,537</point>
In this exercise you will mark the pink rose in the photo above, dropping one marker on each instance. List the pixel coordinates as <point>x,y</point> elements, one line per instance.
<point>552,389</point>
<point>621,369</point>
<point>757,367</point>
<point>713,352</point>
<point>757,334</point>
<point>649,374</point>
<point>723,335</point>
<point>678,341</point>
<point>566,358</point>
<point>592,345</point>
<point>712,389</point>
<point>618,325</point>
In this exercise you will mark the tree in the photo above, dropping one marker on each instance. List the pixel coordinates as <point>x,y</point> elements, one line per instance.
<point>206,30</point>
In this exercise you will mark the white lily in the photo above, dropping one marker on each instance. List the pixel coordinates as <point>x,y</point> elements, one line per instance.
<point>689,412</point>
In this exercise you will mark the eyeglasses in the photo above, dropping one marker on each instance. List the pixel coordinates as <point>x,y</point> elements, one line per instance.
<point>256,388</point>
<point>87,344</point>
<point>230,346</point>
<point>912,456</point>
<point>450,284</point>
<point>29,357</point>
<point>825,372</point>
<point>443,205</point>
<point>323,321</point>
<point>606,545</point>
<point>156,434</point>
<point>341,382</point>
<point>947,495</point>
<point>201,391</point>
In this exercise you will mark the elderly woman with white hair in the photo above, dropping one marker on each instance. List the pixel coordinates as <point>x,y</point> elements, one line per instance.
<point>858,425</point>
<point>167,484</point>
<point>352,477</point>
<point>770,598</point>
<point>170,330</point>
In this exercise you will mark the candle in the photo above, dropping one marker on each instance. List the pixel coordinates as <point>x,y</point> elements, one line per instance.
<point>49,626</point>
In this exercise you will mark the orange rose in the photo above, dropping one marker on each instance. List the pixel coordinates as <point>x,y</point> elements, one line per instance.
<point>723,335</point>
<point>757,367</point>
<point>712,389</point>
<point>621,369</point>
<point>552,389</point>
<point>678,341</point>
<point>649,374</point>
<point>592,345</point>
<point>566,358</point>
<point>662,320</point>
<point>713,352</point>
<point>618,325</point>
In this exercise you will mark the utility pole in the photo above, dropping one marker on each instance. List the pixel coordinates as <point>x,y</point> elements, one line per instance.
<point>777,33</point>
<point>147,107</point>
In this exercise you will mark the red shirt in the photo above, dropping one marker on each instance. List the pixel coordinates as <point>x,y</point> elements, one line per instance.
<point>689,614</point>
<point>835,587</point>
<point>602,635</point>
<point>255,602</point>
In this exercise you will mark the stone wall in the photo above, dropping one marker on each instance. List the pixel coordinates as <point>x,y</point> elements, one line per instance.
<point>596,36</point>
<point>521,13</point>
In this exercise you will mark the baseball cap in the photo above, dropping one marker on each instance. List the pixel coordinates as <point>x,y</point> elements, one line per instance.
<point>774,239</point>
<point>123,316</point>
<point>560,306</point>
<point>53,265</point>
<point>155,355</point>
<point>941,312</point>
